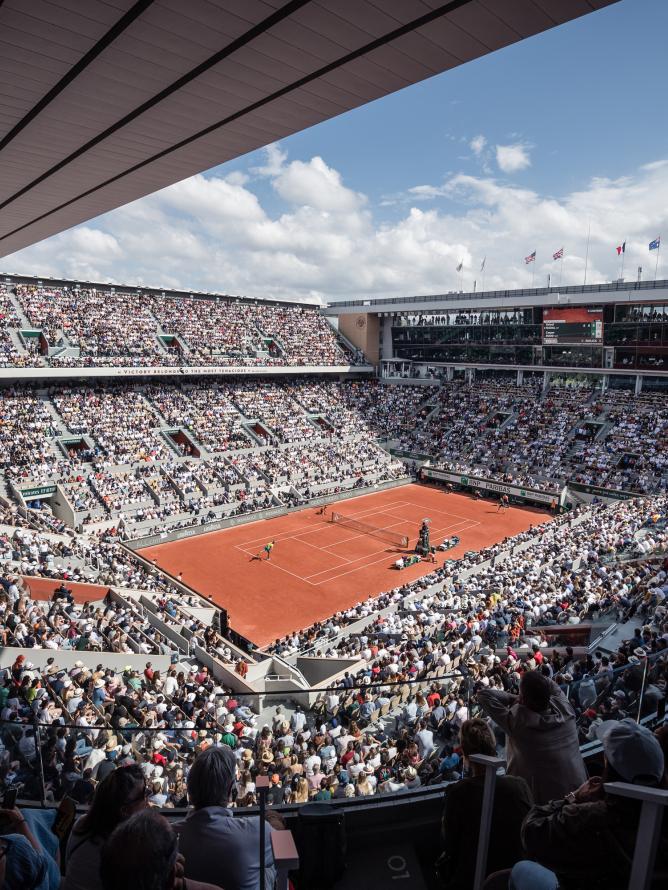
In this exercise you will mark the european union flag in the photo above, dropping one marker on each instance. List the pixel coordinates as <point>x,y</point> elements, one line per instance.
<point>654,245</point>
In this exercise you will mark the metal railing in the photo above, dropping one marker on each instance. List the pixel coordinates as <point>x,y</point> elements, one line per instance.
<point>458,296</point>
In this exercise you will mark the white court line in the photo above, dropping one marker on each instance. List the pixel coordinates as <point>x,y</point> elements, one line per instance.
<point>303,531</point>
<point>284,536</point>
<point>276,566</point>
<point>367,562</point>
<point>365,559</point>
<point>357,569</point>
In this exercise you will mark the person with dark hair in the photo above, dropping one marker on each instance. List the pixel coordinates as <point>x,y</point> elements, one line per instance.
<point>118,797</point>
<point>542,743</point>
<point>218,848</point>
<point>587,838</point>
<point>28,864</point>
<point>142,854</point>
<point>462,809</point>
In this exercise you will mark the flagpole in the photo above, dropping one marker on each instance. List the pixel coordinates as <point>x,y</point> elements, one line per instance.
<point>623,255</point>
<point>587,254</point>
<point>561,267</point>
<point>658,251</point>
<point>533,272</point>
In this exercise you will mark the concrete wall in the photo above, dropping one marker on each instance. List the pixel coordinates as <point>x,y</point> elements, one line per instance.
<point>319,671</point>
<point>67,659</point>
<point>363,330</point>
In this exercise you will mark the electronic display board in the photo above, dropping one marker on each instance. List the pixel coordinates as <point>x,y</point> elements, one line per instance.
<point>572,325</point>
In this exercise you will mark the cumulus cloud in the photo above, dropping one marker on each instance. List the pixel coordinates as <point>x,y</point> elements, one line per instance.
<point>512,158</point>
<point>275,157</point>
<point>326,241</point>
<point>477,144</point>
<point>314,184</point>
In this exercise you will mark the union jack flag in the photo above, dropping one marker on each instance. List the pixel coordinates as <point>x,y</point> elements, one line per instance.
<point>531,258</point>
<point>558,255</point>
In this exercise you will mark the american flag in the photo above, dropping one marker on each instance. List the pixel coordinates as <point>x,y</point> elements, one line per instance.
<point>558,255</point>
<point>530,258</point>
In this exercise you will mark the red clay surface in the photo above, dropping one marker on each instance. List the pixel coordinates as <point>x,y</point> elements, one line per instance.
<point>42,589</point>
<point>317,567</point>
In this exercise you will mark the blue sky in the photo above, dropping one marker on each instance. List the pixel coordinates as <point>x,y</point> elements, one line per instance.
<point>523,149</point>
<point>587,95</point>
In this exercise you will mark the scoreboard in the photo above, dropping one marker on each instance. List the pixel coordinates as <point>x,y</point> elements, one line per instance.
<point>572,325</point>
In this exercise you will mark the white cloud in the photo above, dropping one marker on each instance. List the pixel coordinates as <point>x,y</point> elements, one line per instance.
<point>477,144</point>
<point>214,233</point>
<point>275,158</point>
<point>512,158</point>
<point>314,184</point>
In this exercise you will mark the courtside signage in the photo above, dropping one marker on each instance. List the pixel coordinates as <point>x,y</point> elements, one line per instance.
<point>487,485</point>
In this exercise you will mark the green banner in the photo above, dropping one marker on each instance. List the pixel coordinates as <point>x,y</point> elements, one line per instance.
<point>29,493</point>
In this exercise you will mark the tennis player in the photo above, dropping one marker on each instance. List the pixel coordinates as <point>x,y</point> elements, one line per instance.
<point>504,503</point>
<point>268,548</point>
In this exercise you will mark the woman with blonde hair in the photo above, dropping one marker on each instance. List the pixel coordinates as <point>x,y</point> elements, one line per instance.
<point>363,788</point>
<point>299,790</point>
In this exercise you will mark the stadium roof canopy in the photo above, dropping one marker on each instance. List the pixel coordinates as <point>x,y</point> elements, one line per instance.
<point>104,101</point>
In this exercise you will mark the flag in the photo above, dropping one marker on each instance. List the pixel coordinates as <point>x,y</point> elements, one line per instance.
<point>460,266</point>
<point>482,265</point>
<point>559,254</point>
<point>621,248</point>
<point>654,245</point>
<point>530,258</point>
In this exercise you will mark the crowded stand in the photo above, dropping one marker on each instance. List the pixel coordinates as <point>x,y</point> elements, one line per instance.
<point>135,460</point>
<point>9,356</point>
<point>106,328</point>
<point>434,667</point>
<point>438,666</point>
<point>119,420</point>
<point>632,455</point>
<point>528,436</point>
<point>436,660</point>
<point>25,426</point>
<point>91,328</point>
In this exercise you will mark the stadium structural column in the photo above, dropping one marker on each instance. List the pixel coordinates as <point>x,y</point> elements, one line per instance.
<point>638,388</point>
<point>520,377</point>
<point>605,383</point>
<point>546,381</point>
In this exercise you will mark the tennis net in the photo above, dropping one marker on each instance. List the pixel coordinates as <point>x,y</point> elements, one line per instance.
<point>383,534</point>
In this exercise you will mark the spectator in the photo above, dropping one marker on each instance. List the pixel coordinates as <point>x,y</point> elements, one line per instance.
<point>217,847</point>
<point>27,864</point>
<point>587,838</point>
<point>118,797</point>
<point>541,735</point>
<point>463,806</point>
<point>142,854</point>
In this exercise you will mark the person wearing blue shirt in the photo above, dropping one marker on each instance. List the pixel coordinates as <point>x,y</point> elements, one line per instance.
<point>219,848</point>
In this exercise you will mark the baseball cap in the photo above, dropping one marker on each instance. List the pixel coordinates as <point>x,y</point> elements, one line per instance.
<point>632,751</point>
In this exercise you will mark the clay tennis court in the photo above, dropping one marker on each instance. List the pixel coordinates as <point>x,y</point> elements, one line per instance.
<point>318,567</point>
